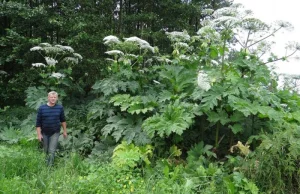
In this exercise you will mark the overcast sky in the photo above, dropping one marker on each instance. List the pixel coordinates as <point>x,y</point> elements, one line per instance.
<point>271,10</point>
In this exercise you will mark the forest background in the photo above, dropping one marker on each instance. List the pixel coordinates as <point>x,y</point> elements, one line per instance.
<point>161,96</point>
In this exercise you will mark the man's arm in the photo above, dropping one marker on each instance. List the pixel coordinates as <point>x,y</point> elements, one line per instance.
<point>38,125</point>
<point>39,134</point>
<point>64,125</point>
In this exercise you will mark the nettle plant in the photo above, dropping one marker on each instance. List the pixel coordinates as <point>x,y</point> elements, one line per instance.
<point>55,71</point>
<point>207,85</point>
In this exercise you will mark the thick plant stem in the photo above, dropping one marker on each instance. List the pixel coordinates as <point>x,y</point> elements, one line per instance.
<point>217,135</point>
<point>223,58</point>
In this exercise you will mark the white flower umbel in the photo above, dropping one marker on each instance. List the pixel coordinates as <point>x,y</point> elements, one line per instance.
<point>142,43</point>
<point>114,52</point>
<point>2,72</point>
<point>109,40</point>
<point>36,48</point>
<point>38,65</point>
<point>178,36</point>
<point>72,60</point>
<point>65,48</point>
<point>147,47</point>
<point>131,56</point>
<point>184,57</point>
<point>209,33</point>
<point>45,44</point>
<point>163,59</point>
<point>78,56</point>
<point>53,50</point>
<point>214,62</point>
<point>181,45</point>
<point>227,21</point>
<point>50,61</point>
<point>226,11</point>
<point>57,75</point>
<point>137,40</point>
<point>68,48</point>
<point>288,26</point>
<point>203,81</point>
<point>207,11</point>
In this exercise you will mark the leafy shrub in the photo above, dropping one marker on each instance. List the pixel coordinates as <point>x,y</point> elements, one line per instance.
<point>12,135</point>
<point>205,176</point>
<point>107,179</point>
<point>128,156</point>
<point>275,163</point>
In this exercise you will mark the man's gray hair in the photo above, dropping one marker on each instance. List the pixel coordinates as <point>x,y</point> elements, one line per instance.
<point>53,93</point>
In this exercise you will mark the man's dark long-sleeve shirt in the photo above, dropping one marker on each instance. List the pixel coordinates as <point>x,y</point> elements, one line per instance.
<point>49,118</point>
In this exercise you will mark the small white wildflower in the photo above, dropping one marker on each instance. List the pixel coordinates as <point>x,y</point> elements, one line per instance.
<point>114,52</point>
<point>57,75</point>
<point>203,81</point>
<point>78,56</point>
<point>178,36</point>
<point>111,40</point>
<point>50,61</point>
<point>36,48</point>
<point>38,65</point>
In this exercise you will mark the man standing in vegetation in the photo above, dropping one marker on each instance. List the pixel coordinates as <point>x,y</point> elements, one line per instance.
<point>50,117</point>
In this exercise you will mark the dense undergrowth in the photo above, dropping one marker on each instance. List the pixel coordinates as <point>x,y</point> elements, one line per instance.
<point>23,170</point>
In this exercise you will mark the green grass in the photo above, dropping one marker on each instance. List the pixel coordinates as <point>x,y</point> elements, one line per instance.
<point>23,170</point>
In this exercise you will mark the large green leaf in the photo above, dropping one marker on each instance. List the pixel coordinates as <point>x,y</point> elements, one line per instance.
<point>36,97</point>
<point>126,128</point>
<point>134,104</point>
<point>174,119</point>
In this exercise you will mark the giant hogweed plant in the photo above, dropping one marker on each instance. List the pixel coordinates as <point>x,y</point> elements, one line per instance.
<point>55,71</point>
<point>204,77</point>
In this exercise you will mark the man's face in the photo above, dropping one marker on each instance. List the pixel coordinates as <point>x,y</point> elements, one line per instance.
<point>52,99</point>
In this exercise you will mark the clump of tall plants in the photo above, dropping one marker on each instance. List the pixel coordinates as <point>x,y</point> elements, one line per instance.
<point>208,89</point>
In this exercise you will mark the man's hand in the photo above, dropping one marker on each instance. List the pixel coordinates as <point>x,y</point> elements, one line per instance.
<point>65,134</point>
<point>40,137</point>
<point>39,134</point>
